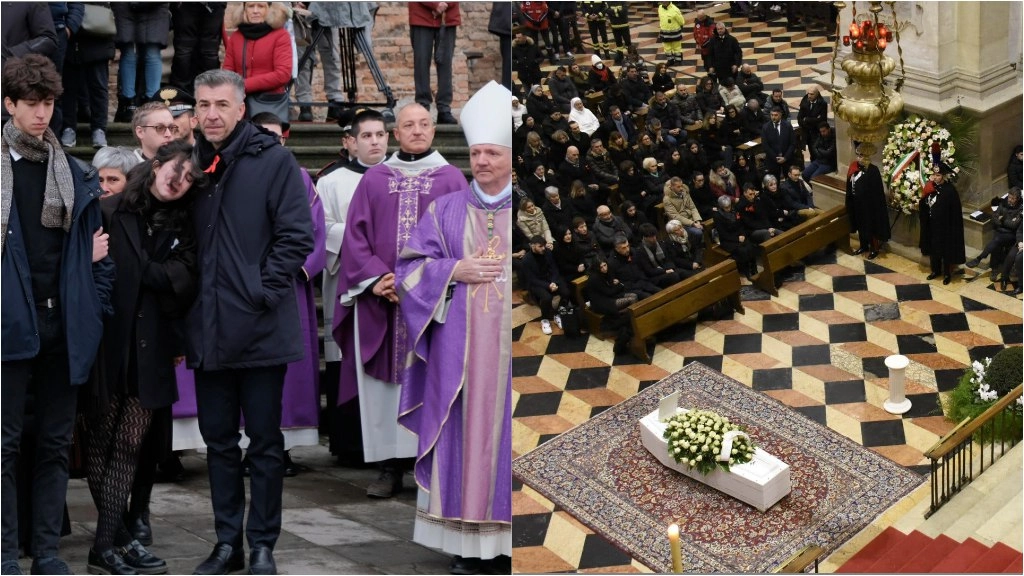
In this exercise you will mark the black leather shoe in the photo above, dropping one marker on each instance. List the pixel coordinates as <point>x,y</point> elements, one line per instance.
<point>946,279</point>
<point>225,559</point>
<point>141,560</point>
<point>873,254</point>
<point>932,276</point>
<point>289,466</point>
<point>446,118</point>
<point>261,561</point>
<point>140,530</point>
<point>1017,290</point>
<point>107,562</point>
<point>462,565</point>
<point>858,251</point>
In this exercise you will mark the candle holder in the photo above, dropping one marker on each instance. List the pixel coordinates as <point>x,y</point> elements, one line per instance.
<point>867,103</point>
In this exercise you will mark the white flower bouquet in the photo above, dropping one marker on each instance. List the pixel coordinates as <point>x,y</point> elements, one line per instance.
<point>704,440</point>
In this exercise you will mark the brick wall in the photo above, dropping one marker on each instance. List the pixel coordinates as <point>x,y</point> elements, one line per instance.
<point>393,52</point>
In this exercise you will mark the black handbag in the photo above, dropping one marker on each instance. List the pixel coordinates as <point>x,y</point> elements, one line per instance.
<point>276,104</point>
<point>570,321</point>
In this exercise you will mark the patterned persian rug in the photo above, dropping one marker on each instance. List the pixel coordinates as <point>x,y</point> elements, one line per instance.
<point>600,473</point>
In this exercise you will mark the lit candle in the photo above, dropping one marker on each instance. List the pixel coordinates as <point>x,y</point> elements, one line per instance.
<point>677,553</point>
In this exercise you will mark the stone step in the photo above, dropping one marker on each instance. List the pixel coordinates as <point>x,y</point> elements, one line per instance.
<point>314,145</point>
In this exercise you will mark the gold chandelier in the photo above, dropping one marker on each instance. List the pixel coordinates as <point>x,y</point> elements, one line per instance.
<point>867,103</point>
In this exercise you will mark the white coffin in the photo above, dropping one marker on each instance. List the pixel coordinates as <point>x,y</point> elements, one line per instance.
<point>761,482</point>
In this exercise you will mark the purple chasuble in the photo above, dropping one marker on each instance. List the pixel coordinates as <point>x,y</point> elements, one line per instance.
<point>300,402</point>
<point>385,207</point>
<point>457,396</point>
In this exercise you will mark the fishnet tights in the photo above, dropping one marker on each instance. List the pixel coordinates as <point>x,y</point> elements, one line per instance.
<point>114,440</point>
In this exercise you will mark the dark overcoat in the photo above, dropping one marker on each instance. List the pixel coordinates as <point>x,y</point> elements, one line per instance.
<point>865,203</point>
<point>946,218</point>
<point>152,293</point>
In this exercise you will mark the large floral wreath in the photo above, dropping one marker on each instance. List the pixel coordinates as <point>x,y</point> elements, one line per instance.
<point>913,146</point>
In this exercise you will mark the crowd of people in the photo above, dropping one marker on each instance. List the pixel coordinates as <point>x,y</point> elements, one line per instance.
<point>165,293</point>
<point>619,190</point>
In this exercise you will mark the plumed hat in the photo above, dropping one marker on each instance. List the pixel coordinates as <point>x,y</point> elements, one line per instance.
<point>482,119</point>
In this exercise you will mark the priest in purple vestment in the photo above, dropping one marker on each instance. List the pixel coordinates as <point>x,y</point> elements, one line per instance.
<point>385,206</point>
<point>454,285</point>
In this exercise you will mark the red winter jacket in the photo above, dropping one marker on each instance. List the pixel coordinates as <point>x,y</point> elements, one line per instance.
<point>535,15</point>
<point>423,14</point>
<point>268,60</point>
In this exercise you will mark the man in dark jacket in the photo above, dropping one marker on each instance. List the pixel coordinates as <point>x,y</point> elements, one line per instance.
<point>621,122</point>
<point>724,54</point>
<point>779,143</point>
<point>637,92</point>
<point>557,211</point>
<point>654,258</point>
<point>624,264</point>
<point>607,226</point>
<point>57,281</point>
<point>823,153</point>
<point>254,231</point>
<point>813,111</point>
<point>544,282</point>
<point>671,119</point>
<point>562,89</point>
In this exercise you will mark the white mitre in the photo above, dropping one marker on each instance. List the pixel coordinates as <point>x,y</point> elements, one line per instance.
<point>485,118</point>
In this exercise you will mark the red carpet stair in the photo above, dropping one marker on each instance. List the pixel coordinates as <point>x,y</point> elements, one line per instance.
<point>895,552</point>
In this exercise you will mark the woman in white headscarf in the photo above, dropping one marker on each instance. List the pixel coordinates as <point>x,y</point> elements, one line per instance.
<point>584,117</point>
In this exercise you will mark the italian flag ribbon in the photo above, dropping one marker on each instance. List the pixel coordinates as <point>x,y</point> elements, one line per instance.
<point>906,162</point>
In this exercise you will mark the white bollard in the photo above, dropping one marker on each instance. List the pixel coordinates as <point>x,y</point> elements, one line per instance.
<point>897,403</point>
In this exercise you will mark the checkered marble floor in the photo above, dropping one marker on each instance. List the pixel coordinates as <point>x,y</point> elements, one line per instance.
<point>818,347</point>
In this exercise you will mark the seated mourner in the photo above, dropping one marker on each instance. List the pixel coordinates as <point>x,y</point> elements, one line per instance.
<point>686,255</point>
<point>654,258</point>
<point>625,265</point>
<point>544,282</point>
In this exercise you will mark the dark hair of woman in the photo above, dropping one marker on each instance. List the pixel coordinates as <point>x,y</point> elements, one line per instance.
<point>137,198</point>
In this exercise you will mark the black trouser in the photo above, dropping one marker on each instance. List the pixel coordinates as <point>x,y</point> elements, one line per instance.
<point>222,396</point>
<point>435,45</point>
<point>57,120</point>
<point>560,39</point>
<point>622,38</point>
<point>197,32</point>
<point>48,377</point>
<point>546,297</point>
<point>995,246</point>
<point>90,79</point>
<point>535,35</point>
<point>506,60</point>
<point>343,424</point>
<point>598,28</point>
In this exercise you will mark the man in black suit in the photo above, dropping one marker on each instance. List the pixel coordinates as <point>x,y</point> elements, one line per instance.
<point>813,111</point>
<point>779,143</point>
<point>620,122</point>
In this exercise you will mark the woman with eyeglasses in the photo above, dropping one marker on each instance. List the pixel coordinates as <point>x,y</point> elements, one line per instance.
<point>153,245</point>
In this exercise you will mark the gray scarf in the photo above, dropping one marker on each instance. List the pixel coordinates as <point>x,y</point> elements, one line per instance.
<point>59,196</point>
<point>657,256</point>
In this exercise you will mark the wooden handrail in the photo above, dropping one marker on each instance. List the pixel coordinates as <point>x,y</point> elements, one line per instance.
<point>967,428</point>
